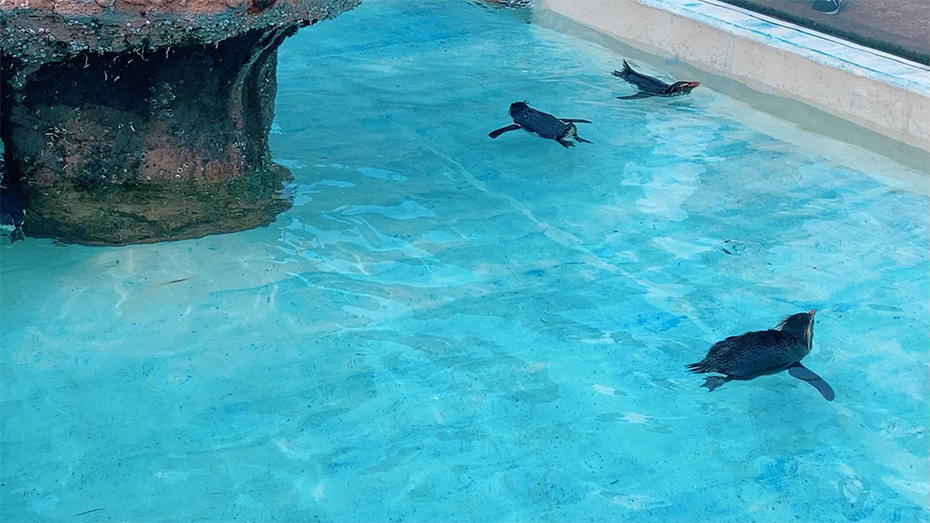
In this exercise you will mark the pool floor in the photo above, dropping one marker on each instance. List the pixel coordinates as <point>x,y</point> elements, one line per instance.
<point>446,327</point>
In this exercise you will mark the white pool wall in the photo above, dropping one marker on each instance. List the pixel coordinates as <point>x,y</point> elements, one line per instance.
<point>880,92</point>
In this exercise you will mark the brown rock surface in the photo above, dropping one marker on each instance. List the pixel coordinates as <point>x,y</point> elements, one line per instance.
<point>35,32</point>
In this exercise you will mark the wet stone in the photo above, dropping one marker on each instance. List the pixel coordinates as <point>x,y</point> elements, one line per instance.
<point>140,121</point>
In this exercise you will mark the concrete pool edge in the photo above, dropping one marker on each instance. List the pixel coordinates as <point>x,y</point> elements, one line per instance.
<point>775,66</point>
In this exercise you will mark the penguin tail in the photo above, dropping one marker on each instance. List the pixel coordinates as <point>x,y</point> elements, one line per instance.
<point>712,382</point>
<point>699,367</point>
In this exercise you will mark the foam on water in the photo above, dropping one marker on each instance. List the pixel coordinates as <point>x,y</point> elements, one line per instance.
<point>447,327</point>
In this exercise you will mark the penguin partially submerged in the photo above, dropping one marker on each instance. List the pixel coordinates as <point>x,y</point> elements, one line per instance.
<point>760,353</point>
<point>12,210</point>
<point>543,124</point>
<point>649,86</point>
<point>510,4</point>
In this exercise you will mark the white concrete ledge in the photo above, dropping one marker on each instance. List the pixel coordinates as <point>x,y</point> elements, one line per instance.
<point>881,92</point>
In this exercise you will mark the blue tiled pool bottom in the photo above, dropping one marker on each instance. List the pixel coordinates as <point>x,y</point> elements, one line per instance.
<point>447,327</point>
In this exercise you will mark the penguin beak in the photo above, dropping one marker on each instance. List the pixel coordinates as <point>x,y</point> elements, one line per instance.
<point>692,85</point>
<point>812,312</point>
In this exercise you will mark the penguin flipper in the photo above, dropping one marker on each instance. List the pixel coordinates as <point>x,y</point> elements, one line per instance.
<point>635,96</point>
<point>575,120</point>
<point>712,382</point>
<point>804,374</point>
<point>502,130</point>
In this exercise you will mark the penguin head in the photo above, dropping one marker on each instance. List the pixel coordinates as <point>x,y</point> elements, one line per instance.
<point>800,325</point>
<point>680,88</point>
<point>518,107</point>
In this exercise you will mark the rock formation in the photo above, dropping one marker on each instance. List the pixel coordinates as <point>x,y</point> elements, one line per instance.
<point>144,120</point>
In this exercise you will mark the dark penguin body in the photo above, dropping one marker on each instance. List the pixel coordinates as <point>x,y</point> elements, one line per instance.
<point>12,210</point>
<point>543,124</point>
<point>510,4</point>
<point>649,86</point>
<point>760,353</point>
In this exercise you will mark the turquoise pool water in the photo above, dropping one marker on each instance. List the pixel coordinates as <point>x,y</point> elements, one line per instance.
<point>447,327</point>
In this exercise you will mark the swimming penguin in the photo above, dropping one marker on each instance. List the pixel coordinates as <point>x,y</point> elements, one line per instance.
<point>511,4</point>
<point>649,86</point>
<point>12,215</point>
<point>543,124</point>
<point>12,210</point>
<point>760,353</point>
